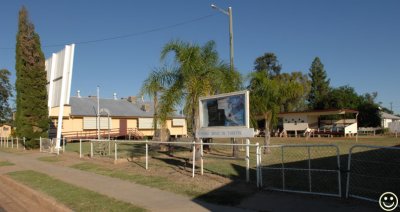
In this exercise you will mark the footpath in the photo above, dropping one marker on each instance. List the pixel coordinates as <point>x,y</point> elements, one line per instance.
<point>158,200</point>
<point>143,196</point>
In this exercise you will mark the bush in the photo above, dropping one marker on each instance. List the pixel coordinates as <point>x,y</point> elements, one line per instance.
<point>32,144</point>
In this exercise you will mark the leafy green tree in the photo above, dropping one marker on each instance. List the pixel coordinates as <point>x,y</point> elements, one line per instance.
<point>319,85</point>
<point>343,97</point>
<point>5,94</point>
<point>369,112</point>
<point>32,119</point>
<point>272,92</point>
<point>269,64</point>
<point>294,90</point>
<point>265,99</point>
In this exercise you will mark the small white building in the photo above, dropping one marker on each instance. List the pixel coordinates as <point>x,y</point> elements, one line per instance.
<point>388,118</point>
<point>299,122</point>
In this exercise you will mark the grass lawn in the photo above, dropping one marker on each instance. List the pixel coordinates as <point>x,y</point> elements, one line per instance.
<point>224,177</point>
<point>153,181</point>
<point>51,159</point>
<point>6,163</point>
<point>75,198</point>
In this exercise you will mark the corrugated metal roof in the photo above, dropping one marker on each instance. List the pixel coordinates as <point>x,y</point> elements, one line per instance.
<point>87,106</point>
<point>320,112</point>
<point>389,116</point>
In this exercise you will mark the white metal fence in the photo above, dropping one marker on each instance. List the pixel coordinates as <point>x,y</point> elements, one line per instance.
<point>193,153</point>
<point>12,142</point>
<point>373,170</point>
<point>313,169</point>
<point>49,145</point>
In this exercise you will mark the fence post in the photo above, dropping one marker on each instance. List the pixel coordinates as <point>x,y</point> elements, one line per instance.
<point>260,166</point>
<point>40,144</point>
<point>194,158</point>
<point>64,142</point>
<point>17,142</point>
<point>248,160</point>
<point>201,157</point>
<point>91,149</point>
<point>109,145</point>
<point>24,142</point>
<point>7,142</point>
<point>80,148</point>
<point>12,142</point>
<point>257,164</point>
<point>339,172</point>
<point>348,172</point>
<point>283,170</point>
<point>147,154</point>
<point>115,149</point>
<point>309,168</point>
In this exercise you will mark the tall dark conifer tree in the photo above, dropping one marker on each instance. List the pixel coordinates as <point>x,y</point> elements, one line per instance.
<point>32,119</point>
<point>5,94</point>
<point>319,85</point>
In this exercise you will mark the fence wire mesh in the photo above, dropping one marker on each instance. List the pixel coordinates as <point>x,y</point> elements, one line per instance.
<point>373,170</point>
<point>47,145</point>
<point>302,168</point>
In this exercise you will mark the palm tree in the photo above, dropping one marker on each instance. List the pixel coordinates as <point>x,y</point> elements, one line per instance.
<point>158,79</point>
<point>199,73</point>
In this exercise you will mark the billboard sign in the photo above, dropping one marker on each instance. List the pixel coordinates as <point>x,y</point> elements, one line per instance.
<point>225,115</point>
<point>59,76</point>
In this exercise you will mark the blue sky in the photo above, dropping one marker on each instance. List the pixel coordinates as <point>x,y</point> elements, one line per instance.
<point>357,40</point>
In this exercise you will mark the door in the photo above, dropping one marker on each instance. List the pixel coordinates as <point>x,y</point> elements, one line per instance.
<point>123,127</point>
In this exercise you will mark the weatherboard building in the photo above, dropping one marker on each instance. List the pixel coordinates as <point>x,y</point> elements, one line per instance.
<point>126,118</point>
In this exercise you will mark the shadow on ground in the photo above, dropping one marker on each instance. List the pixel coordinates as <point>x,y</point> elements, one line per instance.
<point>373,172</point>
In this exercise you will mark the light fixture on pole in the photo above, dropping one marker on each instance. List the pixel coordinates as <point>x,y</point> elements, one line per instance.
<point>229,13</point>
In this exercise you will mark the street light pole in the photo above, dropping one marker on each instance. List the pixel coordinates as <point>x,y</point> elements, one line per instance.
<point>231,37</point>
<point>229,13</point>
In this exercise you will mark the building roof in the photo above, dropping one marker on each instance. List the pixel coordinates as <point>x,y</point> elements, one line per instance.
<point>385,115</point>
<point>321,112</point>
<point>87,106</point>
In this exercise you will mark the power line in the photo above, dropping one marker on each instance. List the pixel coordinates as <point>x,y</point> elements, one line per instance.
<point>127,35</point>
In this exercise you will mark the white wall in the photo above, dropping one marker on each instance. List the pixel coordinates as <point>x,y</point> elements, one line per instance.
<point>351,129</point>
<point>394,127</point>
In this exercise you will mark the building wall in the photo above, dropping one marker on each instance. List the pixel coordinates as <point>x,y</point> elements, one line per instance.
<point>55,110</point>
<point>295,122</point>
<point>75,124</point>
<point>5,131</point>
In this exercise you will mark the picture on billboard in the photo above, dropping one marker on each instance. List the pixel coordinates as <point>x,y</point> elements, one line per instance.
<point>227,110</point>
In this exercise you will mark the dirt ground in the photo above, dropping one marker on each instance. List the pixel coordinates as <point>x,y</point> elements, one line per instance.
<point>17,197</point>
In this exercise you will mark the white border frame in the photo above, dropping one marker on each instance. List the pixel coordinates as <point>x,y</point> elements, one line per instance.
<point>246,108</point>
<point>226,131</point>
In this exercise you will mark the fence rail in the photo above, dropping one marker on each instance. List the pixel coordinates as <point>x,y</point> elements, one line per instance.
<point>312,169</point>
<point>302,169</point>
<point>373,170</point>
<point>194,151</point>
<point>12,142</point>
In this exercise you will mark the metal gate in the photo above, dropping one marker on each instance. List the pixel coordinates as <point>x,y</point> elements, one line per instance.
<point>312,169</point>
<point>373,170</point>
